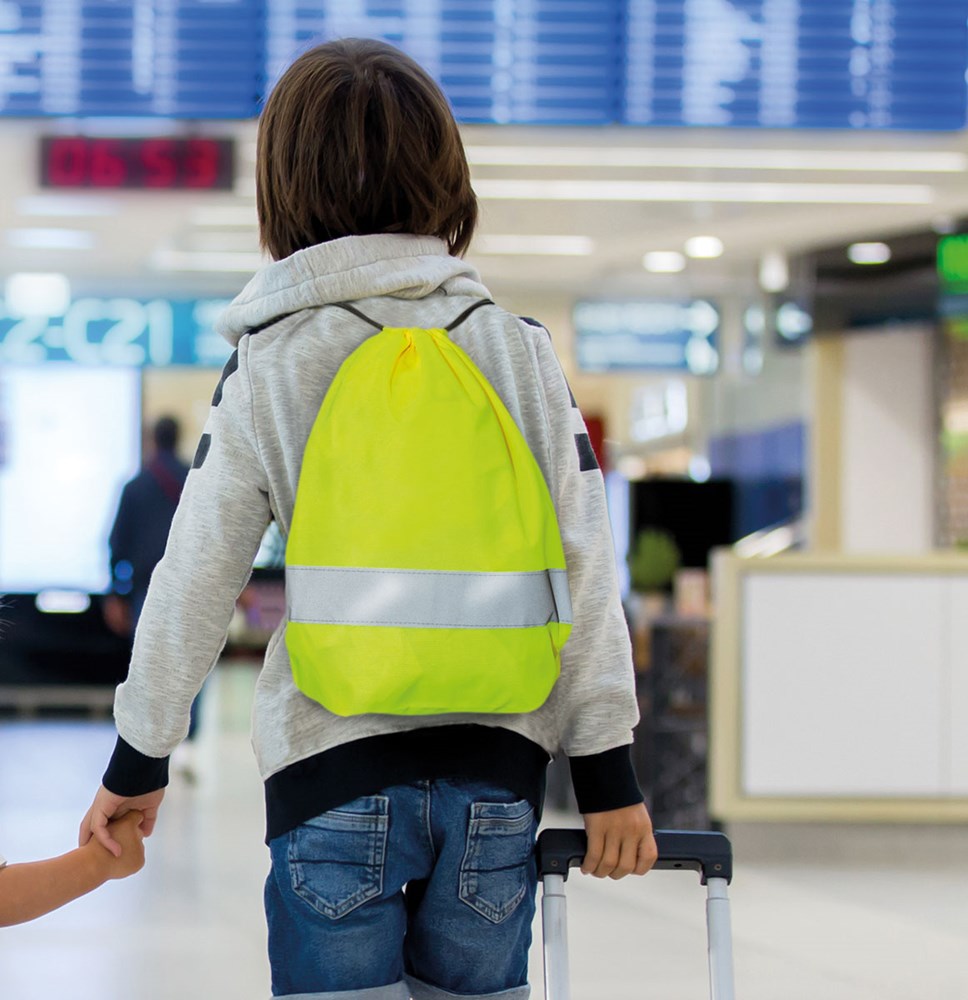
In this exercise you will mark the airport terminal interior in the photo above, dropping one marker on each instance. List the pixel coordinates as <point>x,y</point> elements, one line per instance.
<point>744,224</point>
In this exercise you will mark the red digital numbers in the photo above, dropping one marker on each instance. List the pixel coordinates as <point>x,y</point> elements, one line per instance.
<point>159,161</point>
<point>107,164</point>
<point>201,163</point>
<point>65,163</point>
<point>155,163</point>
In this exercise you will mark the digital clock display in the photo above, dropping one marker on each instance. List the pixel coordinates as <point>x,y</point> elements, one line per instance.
<point>162,164</point>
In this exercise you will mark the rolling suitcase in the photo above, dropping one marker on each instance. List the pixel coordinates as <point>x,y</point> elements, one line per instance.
<point>708,853</point>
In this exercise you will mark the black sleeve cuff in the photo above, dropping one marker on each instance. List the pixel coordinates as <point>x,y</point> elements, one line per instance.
<point>605,781</point>
<point>131,772</point>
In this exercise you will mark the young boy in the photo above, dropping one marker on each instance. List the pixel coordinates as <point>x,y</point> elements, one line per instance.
<point>30,890</point>
<point>402,845</point>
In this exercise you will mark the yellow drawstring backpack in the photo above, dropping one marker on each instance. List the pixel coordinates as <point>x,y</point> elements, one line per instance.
<point>425,573</point>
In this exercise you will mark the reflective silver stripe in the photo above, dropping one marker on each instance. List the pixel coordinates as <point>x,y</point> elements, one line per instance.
<point>426,598</point>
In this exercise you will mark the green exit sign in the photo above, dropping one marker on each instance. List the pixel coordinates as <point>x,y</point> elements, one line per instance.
<point>953,261</point>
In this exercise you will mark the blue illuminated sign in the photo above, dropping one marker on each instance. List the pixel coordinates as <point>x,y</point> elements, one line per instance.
<point>170,58</point>
<point>796,63</point>
<point>118,332</point>
<point>544,61</point>
<point>647,335</point>
<point>749,63</point>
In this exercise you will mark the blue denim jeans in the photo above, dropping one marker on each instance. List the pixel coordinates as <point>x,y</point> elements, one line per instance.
<point>424,890</point>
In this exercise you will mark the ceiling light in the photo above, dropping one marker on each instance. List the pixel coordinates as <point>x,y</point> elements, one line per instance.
<point>774,272</point>
<point>704,247</point>
<point>221,241</point>
<point>50,239</point>
<point>520,189</point>
<point>37,295</point>
<point>184,260</point>
<point>664,261</point>
<point>67,205</point>
<point>554,246</point>
<point>862,161</point>
<point>224,216</point>
<point>754,322</point>
<point>792,322</point>
<point>869,253</point>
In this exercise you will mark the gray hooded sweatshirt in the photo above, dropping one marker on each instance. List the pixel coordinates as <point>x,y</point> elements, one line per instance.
<point>289,347</point>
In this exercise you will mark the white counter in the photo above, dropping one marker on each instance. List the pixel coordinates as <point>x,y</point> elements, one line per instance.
<point>839,688</point>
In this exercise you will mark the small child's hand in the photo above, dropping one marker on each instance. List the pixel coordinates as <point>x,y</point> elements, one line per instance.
<point>128,833</point>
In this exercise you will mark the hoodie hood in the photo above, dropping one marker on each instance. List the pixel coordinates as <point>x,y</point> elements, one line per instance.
<point>355,267</point>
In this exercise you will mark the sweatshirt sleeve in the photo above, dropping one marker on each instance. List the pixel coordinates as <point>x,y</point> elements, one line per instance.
<point>214,538</point>
<point>596,702</point>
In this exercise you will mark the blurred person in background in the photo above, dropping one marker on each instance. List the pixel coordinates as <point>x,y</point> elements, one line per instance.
<point>141,526</point>
<point>138,539</point>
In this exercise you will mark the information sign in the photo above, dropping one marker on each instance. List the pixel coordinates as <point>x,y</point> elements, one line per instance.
<point>118,332</point>
<point>953,261</point>
<point>647,335</point>
<point>852,64</point>
<point>540,61</point>
<point>796,63</point>
<point>169,58</point>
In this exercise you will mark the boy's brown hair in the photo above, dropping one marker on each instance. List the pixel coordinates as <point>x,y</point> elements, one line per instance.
<point>354,139</point>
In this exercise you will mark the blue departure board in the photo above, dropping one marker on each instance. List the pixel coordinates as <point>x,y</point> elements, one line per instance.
<point>796,63</point>
<point>846,64</point>
<point>534,61</point>
<point>132,58</point>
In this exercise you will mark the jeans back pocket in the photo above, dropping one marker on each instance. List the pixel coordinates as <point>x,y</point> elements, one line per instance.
<point>336,860</point>
<point>497,858</point>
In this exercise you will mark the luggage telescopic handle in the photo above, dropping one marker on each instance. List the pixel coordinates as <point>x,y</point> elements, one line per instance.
<point>708,853</point>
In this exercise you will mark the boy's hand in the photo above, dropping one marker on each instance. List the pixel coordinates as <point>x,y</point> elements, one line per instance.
<point>108,806</point>
<point>128,833</point>
<point>620,842</point>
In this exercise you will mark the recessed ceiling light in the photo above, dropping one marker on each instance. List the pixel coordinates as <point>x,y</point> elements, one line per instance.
<point>774,271</point>
<point>704,247</point>
<point>664,261</point>
<point>869,253</point>
<point>554,246</point>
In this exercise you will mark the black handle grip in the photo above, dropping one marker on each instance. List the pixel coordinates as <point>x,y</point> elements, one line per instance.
<point>708,853</point>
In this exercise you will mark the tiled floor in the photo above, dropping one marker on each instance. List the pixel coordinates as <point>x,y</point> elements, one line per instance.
<point>190,926</point>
